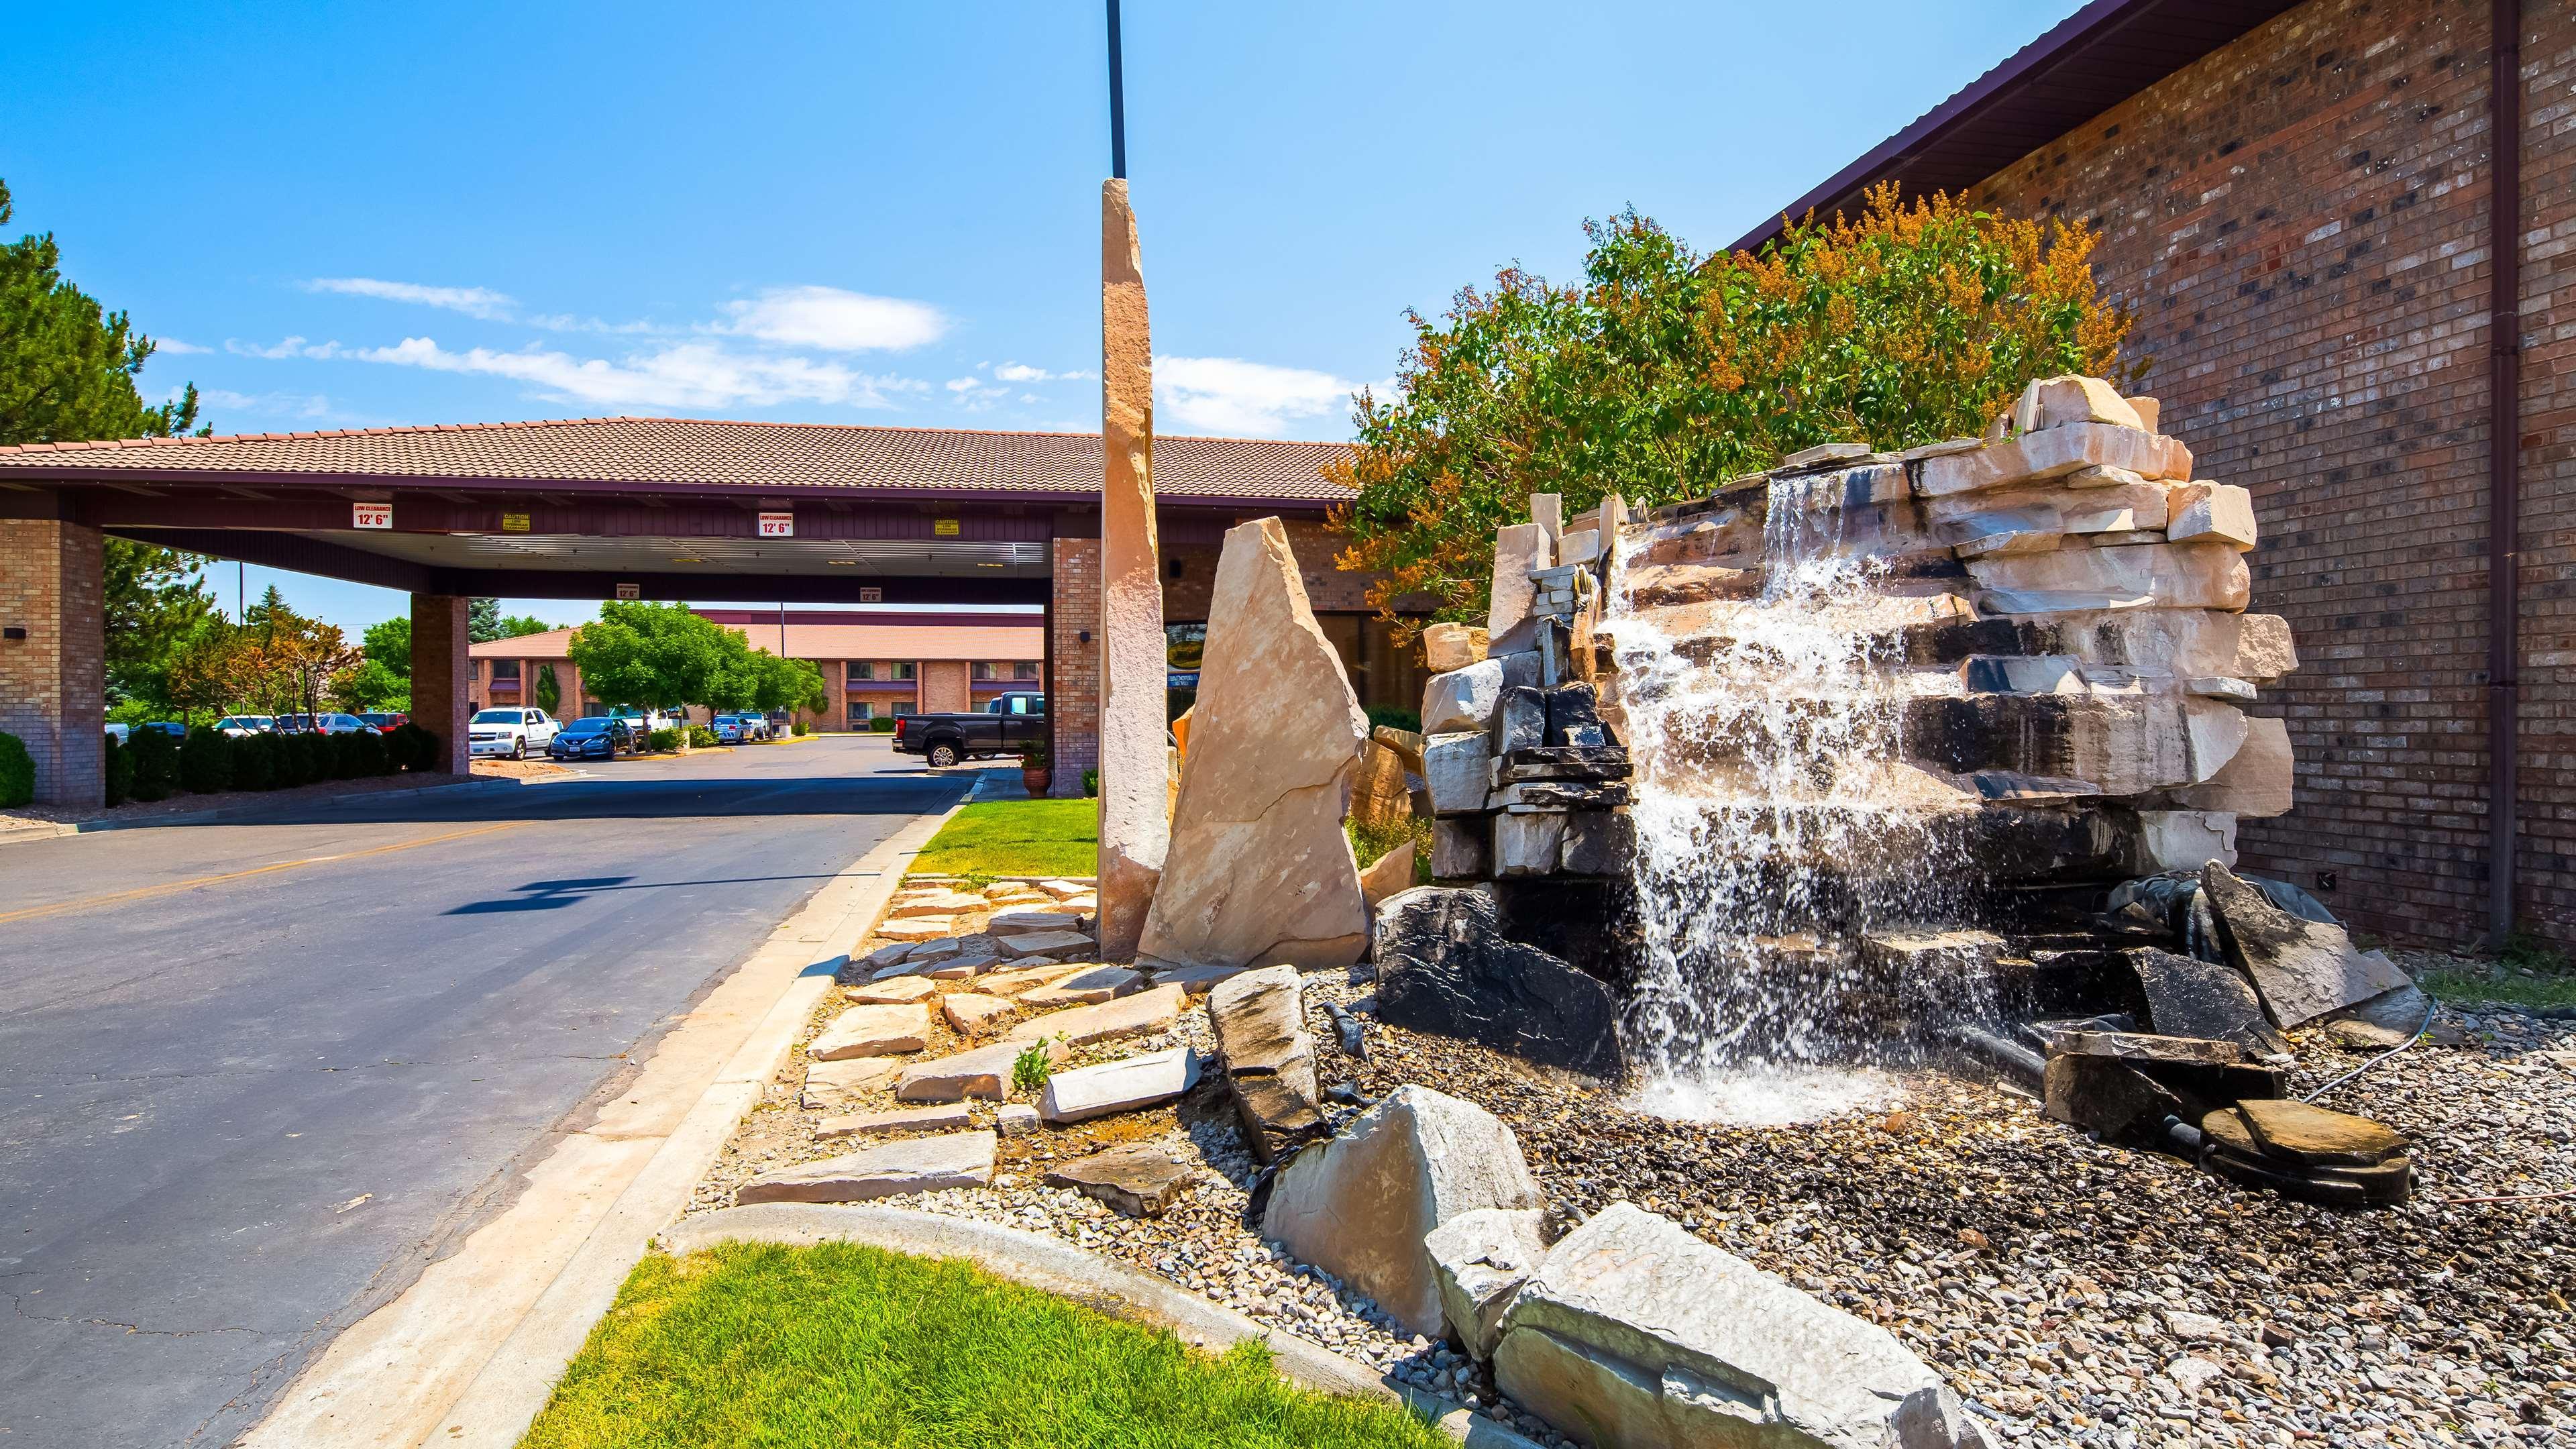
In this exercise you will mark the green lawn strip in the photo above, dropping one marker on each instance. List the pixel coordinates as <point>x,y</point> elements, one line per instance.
<point>2469,987</point>
<point>1016,837</point>
<point>839,1345</point>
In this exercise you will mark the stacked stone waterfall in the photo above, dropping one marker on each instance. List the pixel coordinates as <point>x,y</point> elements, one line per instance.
<point>1880,704</point>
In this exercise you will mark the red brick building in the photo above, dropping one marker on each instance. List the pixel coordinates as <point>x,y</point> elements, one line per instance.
<point>2299,201</point>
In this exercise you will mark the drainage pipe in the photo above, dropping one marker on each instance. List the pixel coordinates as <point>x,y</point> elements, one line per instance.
<point>2504,458</point>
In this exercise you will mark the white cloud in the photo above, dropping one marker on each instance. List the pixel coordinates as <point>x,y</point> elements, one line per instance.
<point>1246,399</point>
<point>834,320</point>
<point>1022,372</point>
<point>287,347</point>
<point>961,384</point>
<point>566,322</point>
<point>685,375</point>
<point>472,301</point>
<point>175,347</point>
<point>265,404</point>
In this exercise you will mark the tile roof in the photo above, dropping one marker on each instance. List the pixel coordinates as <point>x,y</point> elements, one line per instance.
<point>891,640</point>
<point>684,452</point>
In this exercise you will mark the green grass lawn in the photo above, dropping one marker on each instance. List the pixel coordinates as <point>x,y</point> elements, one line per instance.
<point>2475,984</point>
<point>840,1345</point>
<point>1016,837</point>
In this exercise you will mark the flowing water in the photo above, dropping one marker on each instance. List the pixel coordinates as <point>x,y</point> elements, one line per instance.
<point>1775,824</point>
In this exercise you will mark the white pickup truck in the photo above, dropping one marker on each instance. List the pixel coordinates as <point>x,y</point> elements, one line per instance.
<point>516,733</point>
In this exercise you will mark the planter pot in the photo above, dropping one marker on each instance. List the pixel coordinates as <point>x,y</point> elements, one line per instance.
<point>1036,780</point>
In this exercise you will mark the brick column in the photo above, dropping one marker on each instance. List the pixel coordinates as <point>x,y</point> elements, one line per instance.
<point>53,682</point>
<point>1073,695</point>
<point>438,674</point>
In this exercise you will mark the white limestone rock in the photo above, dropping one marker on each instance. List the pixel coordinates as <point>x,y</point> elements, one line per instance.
<point>2050,402</point>
<point>1481,1259</point>
<point>873,1031</point>
<point>2217,512</point>
<point>1360,1205</point>
<point>1459,767</point>
<point>1634,1332</point>
<point>1128,1085</point>
<point>2150,575</point>
<point>2256,783</point>
<point>1462,700</point>
<point>2184,840</point>
<point>1447,647</point>
<point>2217,733</point>
<point>891,1169</point>
<point>2055,452</point>
<point>1520,550</point>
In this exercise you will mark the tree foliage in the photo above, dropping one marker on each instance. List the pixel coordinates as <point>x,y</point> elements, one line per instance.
<point>482,620</point>
<point>1664,372</point>
<point>663,654</point>
<point>389,644</point>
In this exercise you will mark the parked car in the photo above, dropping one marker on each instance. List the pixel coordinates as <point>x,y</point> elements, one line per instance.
<point>321,724</point>
<point>759,726</point>
<point>729,729</point>
<point>386,722</point>
<point>120,733</point>
<point>170,727</point>
<point>238,725</point>
<point>1006,726</point>
<point>511,732</point>
<point>645,721</point>
<point>592,737</point>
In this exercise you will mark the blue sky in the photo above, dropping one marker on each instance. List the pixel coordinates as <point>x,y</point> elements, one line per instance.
<point>350,216</point>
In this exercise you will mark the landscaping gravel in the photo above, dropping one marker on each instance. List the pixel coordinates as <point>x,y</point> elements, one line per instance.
<point>2072,1292</point>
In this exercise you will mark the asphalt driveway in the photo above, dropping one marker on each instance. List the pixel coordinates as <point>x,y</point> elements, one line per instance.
<point>254,1076</point>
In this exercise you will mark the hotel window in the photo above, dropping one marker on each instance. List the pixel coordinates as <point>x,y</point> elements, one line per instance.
<point>902,707</point>
<point>1025,669</point>
<point>860,709</point>
<point>861,670</point>
<point>505,671</point>
<point>981,670</point>
<point>905,670</point>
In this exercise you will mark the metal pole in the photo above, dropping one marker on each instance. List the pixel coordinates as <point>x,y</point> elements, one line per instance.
<point>1117,102</point>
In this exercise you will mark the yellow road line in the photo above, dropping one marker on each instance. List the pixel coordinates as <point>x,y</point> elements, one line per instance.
<point>145,892</point>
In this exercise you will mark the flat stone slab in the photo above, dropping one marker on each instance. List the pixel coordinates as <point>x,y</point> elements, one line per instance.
<point>945,903</point>
<point>1026,923</point>
<point>965,965</point>
<point>1088,986</point>
<point>877,961</point>
<point>1020,979</point>
<point>949,1118</point>
<point>1260,1022</point>
<point>918,928</point>
<point>1128,1085</point>
<point>934,950</point>
<point>841,1085</point>
<point>1065,890</point>
<point>2304,969</point>
<point>975,1014</point>
<point>984,1072</point>
<point>891,1169</point>
<point>2318,1136</point>
<point>1136,1181</point>
<point>1196,980</point>
<point>893,991</point>
<point>1044,943</point>
<point>873,1031</point>
<point>1149,1010</point>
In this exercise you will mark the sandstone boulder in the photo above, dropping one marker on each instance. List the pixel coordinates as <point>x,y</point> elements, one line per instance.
<point>1088,986</point>
<point>844,1085</point>
<point>2183,840</point>
<point>949,1117</point>
<point>972,1013</point>
<point>1459,767</point>
<point>1260,1022</point>
<point>921,1164</point>
<point>2050,402</point>
<point>1445,967</point>
<point>1388,874</point>
<point>1381,800</point>
<point>1128,1085</point>
<point>2304,969</point>
<point>895,991</point>
<point>1481,1259</point>
<point>873,1031</point>
<point>2317,1136</point>
<point>1149,1010</point>
<point>1138,1182</point>
<point>1462,699</point>
<point>984,1072</point>
<point>1360,1205</point>
<point>1635,1332</point>
<point>2264,649</point>
<point>1022,979</point>
<point>1058,944</point>
<point>2256,781</point>
<point>1520,549</point>
<point>1259,869</point>
<point>2215,512</point>
<point>1451,646</point>
<point>2144,575</point>
<point>2055,452</point>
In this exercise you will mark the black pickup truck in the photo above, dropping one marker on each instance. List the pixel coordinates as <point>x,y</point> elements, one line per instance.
<point>1007,726</point>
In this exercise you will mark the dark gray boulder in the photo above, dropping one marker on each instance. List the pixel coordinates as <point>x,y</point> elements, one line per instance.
<point>1445,968</point>
<point>2191,997</point>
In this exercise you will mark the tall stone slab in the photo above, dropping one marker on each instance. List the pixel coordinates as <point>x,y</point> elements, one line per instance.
<point>1135,828</point>
<point>1259,871</point>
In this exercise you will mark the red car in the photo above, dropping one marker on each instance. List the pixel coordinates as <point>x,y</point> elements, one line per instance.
<point>387,723</point>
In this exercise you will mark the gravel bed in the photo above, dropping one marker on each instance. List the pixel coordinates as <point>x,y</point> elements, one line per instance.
<point>2072,1292</point>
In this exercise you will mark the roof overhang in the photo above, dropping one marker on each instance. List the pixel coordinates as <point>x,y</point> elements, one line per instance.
<point>2092,61</point>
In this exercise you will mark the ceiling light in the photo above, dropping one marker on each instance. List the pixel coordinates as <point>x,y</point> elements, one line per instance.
<point>688,560</point>
<point>842,563</point>
<point>991,566</point>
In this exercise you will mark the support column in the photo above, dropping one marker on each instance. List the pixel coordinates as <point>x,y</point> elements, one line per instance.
<point>53,655</point>
<point>1135,826</point>
<point>1073,664</point>
<point>438,675</point>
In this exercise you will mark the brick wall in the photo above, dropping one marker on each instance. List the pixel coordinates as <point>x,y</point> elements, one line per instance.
<point>2300,219</point>
<point>943,687</point>
<point>440,667</point>
<point>1073,698</point>
<point>53,683</point>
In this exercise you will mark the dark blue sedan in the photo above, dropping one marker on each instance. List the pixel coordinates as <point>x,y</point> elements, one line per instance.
<point>596,738</point>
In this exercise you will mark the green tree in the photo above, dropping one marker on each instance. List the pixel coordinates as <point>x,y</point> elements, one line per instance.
<point>370,684</point>
<point>482,620</point>
<point>389,644</point>
<point>519,626</point>
<point>654,655</point>
<point>153,600</point>
<point>1663,372</point>
<point>67,364</point>
<point>549,690</point>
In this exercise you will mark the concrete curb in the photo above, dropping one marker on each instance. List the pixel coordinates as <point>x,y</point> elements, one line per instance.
<point>1055,1266</point>
<point>468,1354</point>
<point>236,812</point>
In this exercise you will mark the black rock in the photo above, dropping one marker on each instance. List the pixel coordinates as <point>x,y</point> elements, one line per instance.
<point>1445,967</point>
<point>2188,997</point>
<point>1574,716</point>
<point>1521,722</point>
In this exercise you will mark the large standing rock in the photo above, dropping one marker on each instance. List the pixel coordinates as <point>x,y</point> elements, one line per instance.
<point>1260,1021</point>
<point>1445,967</point>
<point>1520,549</point>
<point>1380,798</point>
<point>1360,1205</point>
<point>1634,1332</point>
<point>1388,874</point>
<point>1135,825</point>
<point>1481,1260</point>
<point>920,1164</point>
<point>1259,868</point>
<point>2303,968</point>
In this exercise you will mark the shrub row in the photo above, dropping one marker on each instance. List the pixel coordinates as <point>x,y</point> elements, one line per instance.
<point>151,765</point>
